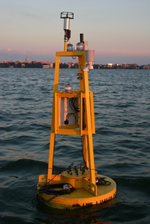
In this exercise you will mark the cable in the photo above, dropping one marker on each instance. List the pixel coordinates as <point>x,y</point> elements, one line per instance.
<point>67,118</point>
<point>82,151</point>
<point>74,108</point>
<point>102,181</point>
<point>56,189</point>
<point>72,102</point>
<point>68,115</point>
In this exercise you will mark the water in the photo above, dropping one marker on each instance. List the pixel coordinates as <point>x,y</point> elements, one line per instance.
<point>121,144</point>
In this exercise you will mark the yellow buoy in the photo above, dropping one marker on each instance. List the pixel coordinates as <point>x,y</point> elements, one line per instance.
<point>73,114</point>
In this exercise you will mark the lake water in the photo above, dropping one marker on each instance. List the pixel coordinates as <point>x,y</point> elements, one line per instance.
<point>121,144</point>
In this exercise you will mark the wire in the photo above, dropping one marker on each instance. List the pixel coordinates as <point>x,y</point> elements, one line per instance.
<point>52,178</point>
<point>56,189</point>
<point>72,103</point>
<point>102,181</point>
<point>68,115</point>
<point>82,150</point>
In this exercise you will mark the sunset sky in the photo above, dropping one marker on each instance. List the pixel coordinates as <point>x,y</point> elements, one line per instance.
<point>118,30</point>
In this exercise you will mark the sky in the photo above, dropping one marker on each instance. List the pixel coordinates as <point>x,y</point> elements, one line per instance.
<point>118,30</point>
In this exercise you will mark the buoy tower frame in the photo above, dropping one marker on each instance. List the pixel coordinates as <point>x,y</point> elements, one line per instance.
<point>85,186</point>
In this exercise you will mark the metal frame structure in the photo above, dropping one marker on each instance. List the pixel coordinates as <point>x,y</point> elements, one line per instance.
<point>88,114</point>
<point>87,190</point>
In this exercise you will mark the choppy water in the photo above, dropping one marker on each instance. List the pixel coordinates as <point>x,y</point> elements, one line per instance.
<point>121,144</point>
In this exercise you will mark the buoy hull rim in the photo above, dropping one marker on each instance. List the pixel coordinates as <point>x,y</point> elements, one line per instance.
<point>80,197</point>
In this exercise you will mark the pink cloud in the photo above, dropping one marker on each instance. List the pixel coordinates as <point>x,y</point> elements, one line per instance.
<point>124,52</point>
<point>28,52</point>
<point>8,50</point>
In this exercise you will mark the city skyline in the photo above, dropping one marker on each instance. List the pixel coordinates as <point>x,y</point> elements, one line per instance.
<point>47,64</point>
<point>118,31</point>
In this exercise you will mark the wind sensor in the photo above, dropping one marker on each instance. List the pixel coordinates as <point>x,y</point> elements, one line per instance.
<point>67,16</point>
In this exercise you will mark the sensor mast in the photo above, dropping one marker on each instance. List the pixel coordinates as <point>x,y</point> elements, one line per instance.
<point>66,16</point>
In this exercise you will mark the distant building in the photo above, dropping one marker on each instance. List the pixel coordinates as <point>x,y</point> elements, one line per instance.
<point>51,64</point>
<point>22,65</point>
<point>27,60</point>
<point>17,62</point>
<point>125,65</point>
<point>45,66</point>
<point>109,65</point>
<point>146,66</point>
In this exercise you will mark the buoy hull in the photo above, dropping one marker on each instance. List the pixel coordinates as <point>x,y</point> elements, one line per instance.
<point>80,197</point>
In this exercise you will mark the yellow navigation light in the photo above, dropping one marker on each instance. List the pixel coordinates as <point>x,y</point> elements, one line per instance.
<point>73,114</point>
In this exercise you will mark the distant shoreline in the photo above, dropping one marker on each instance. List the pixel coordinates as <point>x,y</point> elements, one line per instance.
<point>42,64</point>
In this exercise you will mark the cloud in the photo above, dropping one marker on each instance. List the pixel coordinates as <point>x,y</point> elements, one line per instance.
<point>133,52</point>
<point>43,52</point>
<point>8,50</point>
<point>32,16</point>
<point>10,54</point>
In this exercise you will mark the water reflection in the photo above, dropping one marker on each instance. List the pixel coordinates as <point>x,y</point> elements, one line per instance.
<point>88,215</point>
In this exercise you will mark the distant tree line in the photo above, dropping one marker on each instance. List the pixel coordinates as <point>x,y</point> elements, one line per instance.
<point>34,64</point>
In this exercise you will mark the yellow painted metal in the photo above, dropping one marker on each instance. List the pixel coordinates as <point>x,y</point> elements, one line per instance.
<point>71,54</point>
<point>82,196</point>
<point>89,129</point>
<point>65,45</point>
<point>51,155</point>
<point>92,112</point>
<point>87,192</point>
<point>52,135</point>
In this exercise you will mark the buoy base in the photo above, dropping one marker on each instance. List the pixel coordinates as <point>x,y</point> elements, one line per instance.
<point>80,197</point>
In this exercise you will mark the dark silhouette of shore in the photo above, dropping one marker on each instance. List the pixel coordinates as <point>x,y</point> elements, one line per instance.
<point>44,64</point>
